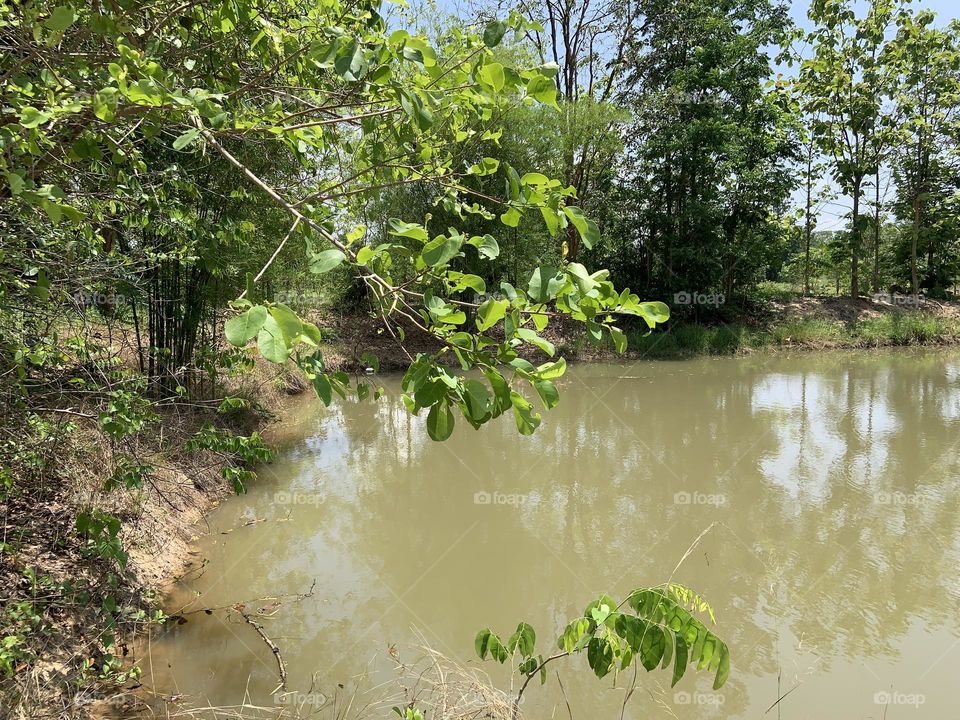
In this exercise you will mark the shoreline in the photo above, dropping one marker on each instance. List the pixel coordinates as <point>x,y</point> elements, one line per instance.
<point>823,323</point>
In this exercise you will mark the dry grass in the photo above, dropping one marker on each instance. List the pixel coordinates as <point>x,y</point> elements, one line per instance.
<point>439,687</point>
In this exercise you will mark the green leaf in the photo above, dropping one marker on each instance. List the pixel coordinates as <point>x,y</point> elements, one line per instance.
<point>16,183</point>
<point>654,312</point>
<point>61,18</point>
<point>543,89</point>
<point>548,393</point>
<point>528,666</point>
<point>441,250</point>
<point>585,282</point>
<point>481,643</point>
<point>619,339</point>
<point>511,218</point>
<point>408,230</point>
<point>531,337</point>
<point>545,284</point>
<point>486,166</point>
<point>523,639</point>
<point>477,399</point>
<point>600,656</point>
<point>365,255</point>
<point>271,342</point>
<point>30,117</point>
<point>487,246</point>
<point>186,139</point>
<point>680,660</point>
<point>551,219</point>
<point>552,370</point>
<point>327,260</point>
<point>105,104</point>
<point>412,105</point>
<point>440,421</point>
<point>492,74</point>
<point>573,634</point>
<point>535,179</point>
<point>527,420</point>
<point>351,64</point>
<point>587,228</point>
<point>651,646</point>
<point>493,33</point>
<point>461,281</point>
<point>723,668</point>
<point>287,320</point>
<point>241,328</point>
<point>323,388</point>
<point>667,649</point>
<point>630,629</point>
<point>490,312</point>
<point>487,642</point>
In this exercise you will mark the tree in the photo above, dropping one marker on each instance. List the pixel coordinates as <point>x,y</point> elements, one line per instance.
<point>927,63</point>
<point>708,149</point>
<point>843,81</point>
<point>586,40</point>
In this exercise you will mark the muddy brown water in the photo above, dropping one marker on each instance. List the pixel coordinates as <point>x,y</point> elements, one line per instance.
<point>830,482</point>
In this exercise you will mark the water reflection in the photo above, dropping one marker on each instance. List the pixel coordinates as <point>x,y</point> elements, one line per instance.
<point>831,563</point>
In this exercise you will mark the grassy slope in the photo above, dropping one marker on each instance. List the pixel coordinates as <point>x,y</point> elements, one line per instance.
<point>809,323</point>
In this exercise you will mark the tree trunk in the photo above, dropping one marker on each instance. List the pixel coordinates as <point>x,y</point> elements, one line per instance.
<point>876,236</point>
<point>855,244</point>
<point>915,236</point>
<point>807,225</point>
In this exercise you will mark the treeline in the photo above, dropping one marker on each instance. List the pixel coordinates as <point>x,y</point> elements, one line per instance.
<point>710,140</point>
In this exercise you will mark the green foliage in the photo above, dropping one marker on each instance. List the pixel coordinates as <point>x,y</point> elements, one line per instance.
<point>18,622</point>
<point>243,452</point>
<point>101,532</point>
<point>654,626</point>
<point>408,713</point>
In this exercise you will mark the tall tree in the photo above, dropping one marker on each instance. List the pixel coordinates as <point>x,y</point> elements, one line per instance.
<point>708,149</point>
<point>927,62</point>
<point>844,83</point>
<point>586,41</point>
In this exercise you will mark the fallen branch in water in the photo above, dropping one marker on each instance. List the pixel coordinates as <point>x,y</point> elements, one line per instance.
<point>270,644</point>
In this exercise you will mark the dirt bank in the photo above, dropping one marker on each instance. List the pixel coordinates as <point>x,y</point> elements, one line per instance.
<point>73,612</point>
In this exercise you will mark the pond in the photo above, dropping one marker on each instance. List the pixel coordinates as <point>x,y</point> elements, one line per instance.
<point>827,484</point>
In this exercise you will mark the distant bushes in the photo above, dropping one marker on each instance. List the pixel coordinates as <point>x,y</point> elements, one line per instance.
<point>894,329</point>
